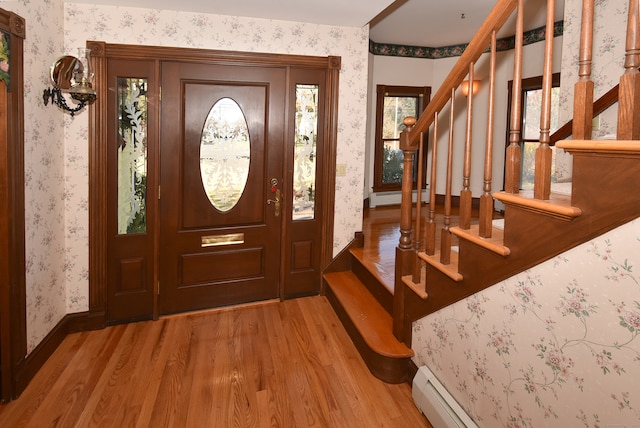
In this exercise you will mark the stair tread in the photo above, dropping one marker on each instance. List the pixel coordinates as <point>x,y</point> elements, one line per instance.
<point>495,243</point>
<point>628,147</point>
<point>558,205</point>
<point>383,271</point>
<point>451,270</point>
<point>417,287</point>
<point>369,317</point>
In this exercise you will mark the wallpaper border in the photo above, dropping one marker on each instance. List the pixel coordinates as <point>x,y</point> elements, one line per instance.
<point>532,36</point>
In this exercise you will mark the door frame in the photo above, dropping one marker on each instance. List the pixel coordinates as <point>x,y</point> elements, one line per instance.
<point>98,238</point>
<point>13,307</point>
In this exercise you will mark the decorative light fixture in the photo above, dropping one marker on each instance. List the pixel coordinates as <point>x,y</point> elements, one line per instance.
<point>465,87</point>
<point>74,76</point>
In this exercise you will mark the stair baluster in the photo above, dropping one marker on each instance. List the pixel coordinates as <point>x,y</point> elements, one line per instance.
<point>445,239</point>
<point>542,177</point>
<point>465,193</point>
<point>485,226</point>
<point>430,229</point>
<point>629,91</point>
<point>418,243</point>
<point>583,89</point>
<point>513,160</point>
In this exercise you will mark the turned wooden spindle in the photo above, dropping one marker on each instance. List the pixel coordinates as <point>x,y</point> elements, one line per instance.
<point>583,89</point>
<point>417,245</point>
<point>430,229</point>
<point>486,200</point>
<point>465,193</point>
<point>542,183</point>
<point>445,240</point>
<point>629,90</point>
<point>513,158</point>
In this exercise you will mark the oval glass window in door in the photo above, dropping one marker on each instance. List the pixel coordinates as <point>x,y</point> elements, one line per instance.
<point>225,154</point>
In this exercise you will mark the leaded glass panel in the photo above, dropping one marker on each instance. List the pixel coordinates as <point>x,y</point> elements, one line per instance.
<point>305,152</point>
<point>132,155</point>
<point>225,154</point>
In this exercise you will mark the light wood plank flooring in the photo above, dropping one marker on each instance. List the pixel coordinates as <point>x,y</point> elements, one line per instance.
<point>273,364</point>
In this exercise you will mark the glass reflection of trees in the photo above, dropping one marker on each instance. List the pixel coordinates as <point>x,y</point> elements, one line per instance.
<point>132,155</point>
<point>225,152</point>
<point>306,140</point>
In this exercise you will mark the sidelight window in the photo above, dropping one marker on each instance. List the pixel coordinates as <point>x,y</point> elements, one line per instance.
<point>305,152</point>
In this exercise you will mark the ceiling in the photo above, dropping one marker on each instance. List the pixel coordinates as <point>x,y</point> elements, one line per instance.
<point>438,23</point>
<point>351,13</point>
<point>428,23</point>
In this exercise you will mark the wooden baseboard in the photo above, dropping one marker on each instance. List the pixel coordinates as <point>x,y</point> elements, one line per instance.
<point>70,323</point>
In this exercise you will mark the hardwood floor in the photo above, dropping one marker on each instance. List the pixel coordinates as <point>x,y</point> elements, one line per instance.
<point>272,364</point>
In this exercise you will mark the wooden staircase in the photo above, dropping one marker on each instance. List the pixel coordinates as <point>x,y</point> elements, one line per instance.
<point>538,224</point>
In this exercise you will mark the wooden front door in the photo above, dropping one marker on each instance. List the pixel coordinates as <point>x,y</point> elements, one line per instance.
<point>221,162</point>
<point>183,216</point>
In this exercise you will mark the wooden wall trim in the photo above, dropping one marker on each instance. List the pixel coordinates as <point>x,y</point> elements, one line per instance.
<point>98,185</point>
<point>13,323</point>
<point>71,323</point>
<point>333,74</point>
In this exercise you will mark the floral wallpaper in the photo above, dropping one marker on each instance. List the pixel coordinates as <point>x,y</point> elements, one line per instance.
<point>45,196</point>
<point>556,345</point>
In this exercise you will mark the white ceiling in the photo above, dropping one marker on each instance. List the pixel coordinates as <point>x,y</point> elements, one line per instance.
<point>437,23</point>
<point>351,13</point>
<point>428,23</point>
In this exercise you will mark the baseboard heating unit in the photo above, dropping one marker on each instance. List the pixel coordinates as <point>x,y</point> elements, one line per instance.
<point>435,402</point>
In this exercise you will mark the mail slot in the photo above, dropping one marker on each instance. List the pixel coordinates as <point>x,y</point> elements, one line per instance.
<point>217,240</point>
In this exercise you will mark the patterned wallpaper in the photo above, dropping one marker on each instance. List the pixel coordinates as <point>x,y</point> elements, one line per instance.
<point>45,196</point>
<point>556,345</point>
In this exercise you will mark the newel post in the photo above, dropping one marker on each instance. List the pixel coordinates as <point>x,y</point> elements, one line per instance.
<point>408,150</point>
<point>405,255</point>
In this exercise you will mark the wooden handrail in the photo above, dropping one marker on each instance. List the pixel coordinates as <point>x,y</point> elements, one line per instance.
<point>599,106</point>
<point>496,19</point>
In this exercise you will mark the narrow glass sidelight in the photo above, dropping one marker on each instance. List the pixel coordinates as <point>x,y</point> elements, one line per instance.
<point>225,154</point>
<point>305,152</point>
<point>132,155</point>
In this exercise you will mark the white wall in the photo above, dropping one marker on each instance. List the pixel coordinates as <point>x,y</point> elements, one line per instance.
<point>428,72</point>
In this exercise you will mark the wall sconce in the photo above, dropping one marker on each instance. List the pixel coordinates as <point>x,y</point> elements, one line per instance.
<point>465,87</point>
<point>74,76</point>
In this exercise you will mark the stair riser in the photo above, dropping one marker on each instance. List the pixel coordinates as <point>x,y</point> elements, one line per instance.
<point>378,290</point>
<point>390,370</point>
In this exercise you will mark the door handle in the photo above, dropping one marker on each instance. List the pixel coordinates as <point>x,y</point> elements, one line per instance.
<point>275,202</point>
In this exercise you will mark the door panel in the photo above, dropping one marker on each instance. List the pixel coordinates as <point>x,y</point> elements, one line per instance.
<point>211,257</point>
<point>131,126</point>
<point>305,199</point>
